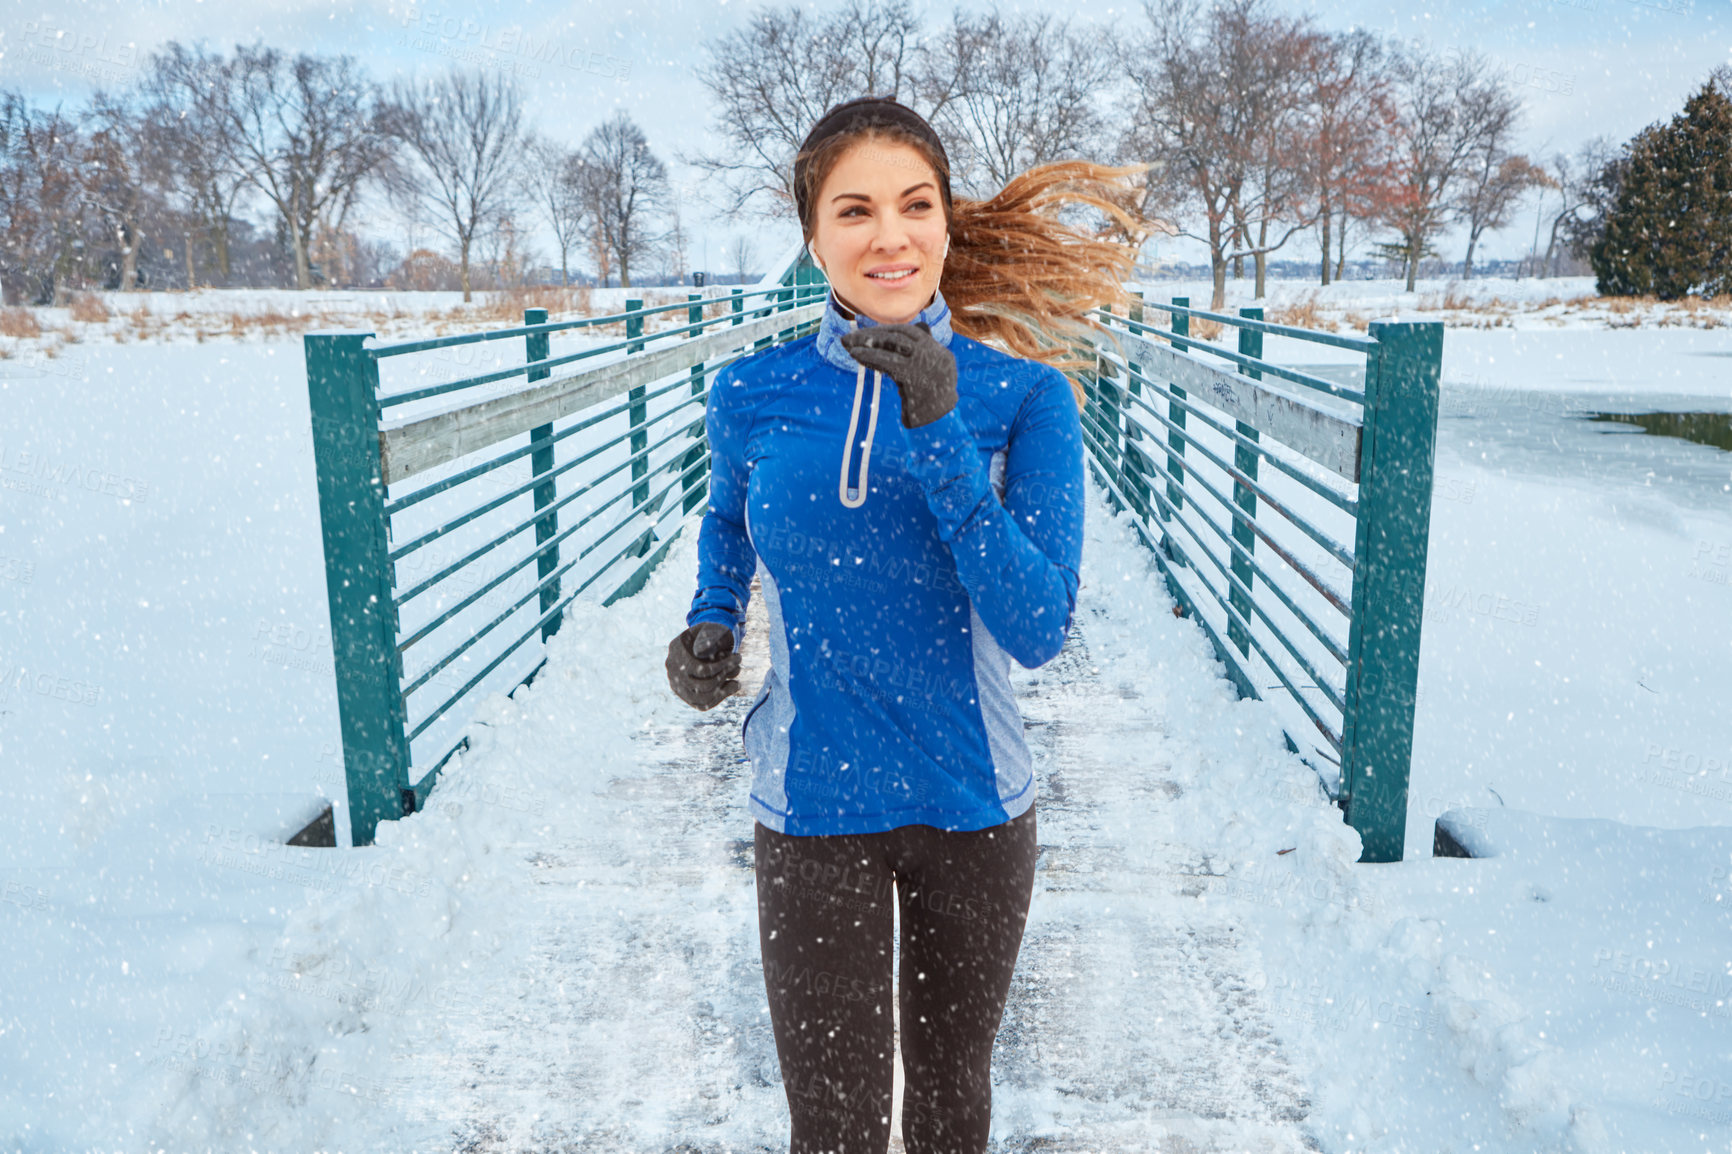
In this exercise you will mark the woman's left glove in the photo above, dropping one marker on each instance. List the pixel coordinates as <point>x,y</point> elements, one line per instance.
<point>923,369</point>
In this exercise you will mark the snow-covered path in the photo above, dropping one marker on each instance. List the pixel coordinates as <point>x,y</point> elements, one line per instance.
<point>630,1014</point>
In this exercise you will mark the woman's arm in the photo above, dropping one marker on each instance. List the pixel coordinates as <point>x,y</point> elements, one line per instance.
<point>1019,560</point>
<point>726,558</point>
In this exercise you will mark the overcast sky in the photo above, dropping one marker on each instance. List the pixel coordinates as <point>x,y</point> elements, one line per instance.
<point>1587,66</point>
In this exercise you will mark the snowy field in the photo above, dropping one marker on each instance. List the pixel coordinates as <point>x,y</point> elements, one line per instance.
<point>175,978</point>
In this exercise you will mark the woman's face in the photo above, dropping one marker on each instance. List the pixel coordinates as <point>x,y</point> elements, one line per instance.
<point>879,230</point>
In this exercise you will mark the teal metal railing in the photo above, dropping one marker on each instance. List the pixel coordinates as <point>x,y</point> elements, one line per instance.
<point>1287,508</point>
<point>462,516</point>
<point>1285,505</point>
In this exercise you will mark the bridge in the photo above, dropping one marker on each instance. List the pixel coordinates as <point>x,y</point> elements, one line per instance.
<point>1223,740</point>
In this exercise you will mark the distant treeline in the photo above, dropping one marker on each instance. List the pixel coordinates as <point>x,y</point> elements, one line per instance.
<point>1257,126</point>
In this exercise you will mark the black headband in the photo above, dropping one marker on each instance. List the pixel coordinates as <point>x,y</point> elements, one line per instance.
<point>865,112</point>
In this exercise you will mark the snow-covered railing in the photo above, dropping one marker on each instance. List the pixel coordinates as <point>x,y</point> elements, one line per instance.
<point>434,585</point>
<point>1288,512</point>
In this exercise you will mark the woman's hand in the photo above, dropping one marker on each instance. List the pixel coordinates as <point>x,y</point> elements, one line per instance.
<point>923,369</point>
<point>702,665</point>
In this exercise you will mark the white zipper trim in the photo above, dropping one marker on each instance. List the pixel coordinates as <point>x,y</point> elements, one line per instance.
<point>852,497</point>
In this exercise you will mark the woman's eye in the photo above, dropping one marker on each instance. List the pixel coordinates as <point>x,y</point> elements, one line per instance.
<point>850,209</point>
<point>919,204</point>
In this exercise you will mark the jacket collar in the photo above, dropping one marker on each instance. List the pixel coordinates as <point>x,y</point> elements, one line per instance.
<point>836,322</point>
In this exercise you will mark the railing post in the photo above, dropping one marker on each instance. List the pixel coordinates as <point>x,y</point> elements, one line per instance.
<point>1175,414</point>
<point>638,416</point>
<point>1245,460</point>
<point>1394,520</point>
<point>536,348</point>
<point>696,485</point>
<point>1176,445</point>
<point>1107,390</point>
<point>342,391</point>
<point>1136,470</point>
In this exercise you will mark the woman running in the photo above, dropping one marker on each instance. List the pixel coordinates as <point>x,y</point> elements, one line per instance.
<point>902,571</point>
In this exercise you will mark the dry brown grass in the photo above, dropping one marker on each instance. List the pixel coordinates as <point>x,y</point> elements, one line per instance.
<point>507,305</point>
<point>1204,329</point>
<point>89,309</point>
<point>1358,322</point>
<point>19,322</point>
<point>270,323</point>
<point>1305,314</point>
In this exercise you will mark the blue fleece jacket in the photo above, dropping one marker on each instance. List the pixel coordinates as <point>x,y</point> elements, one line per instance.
<point>902,569</point>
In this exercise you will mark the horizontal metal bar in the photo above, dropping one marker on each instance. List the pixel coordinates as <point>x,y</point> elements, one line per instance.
<point>534,591</point>
<point>552,543</point>
<point>1341,603</point>
<point>490,626</point>
<point>1358,344</point>
<point>550,363</point>
<point>1268,660</point>
<point>505,458</point>
<point>547,581</point>
<point>412,447</point>
<point>1334,496</point>
<point>1335,648</point>
<point>1325,437</point>
<point>1334,548</point>
<point>1255,364</point>
<point>401,348</point>
<point>535,482</point>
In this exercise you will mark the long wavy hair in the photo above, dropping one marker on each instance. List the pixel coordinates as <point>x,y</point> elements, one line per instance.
<point>1016,277</point>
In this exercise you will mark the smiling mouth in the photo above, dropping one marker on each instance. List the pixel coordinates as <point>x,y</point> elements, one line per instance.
<point>892,277</point>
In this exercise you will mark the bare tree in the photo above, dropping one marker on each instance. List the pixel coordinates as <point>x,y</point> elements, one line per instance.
<point>1491,198</point>
<point>624,187</point>
<point>1574,177</point>
<point>1212,100</point>
<point>189,161</point>
<point>1494,179</point>
<point>304,132</point>
<point>741,254</point>
<point>671,247</point>
<point>551,177</point>
<point>1278,196</point>
<point>114,181</point>
<point>461,137</point>
<point>770,82</point>
<point>47,220</point>
<point>1348,134</point>
<point>1446,107</point>
<point>1015,92</point>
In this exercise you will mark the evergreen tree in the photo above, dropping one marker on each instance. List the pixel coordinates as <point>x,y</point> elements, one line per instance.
<point>1670,232</point>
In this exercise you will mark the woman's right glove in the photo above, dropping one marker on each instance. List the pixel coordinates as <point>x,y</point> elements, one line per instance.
<point>702,665</point>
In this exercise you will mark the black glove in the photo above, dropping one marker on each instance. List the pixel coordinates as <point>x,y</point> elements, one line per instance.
<point>702,665</point>
<point>923,369</point>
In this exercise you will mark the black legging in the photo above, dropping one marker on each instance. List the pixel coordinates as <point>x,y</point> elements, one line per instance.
<point>824,924</point>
